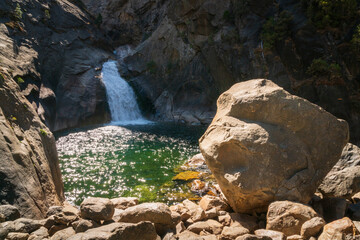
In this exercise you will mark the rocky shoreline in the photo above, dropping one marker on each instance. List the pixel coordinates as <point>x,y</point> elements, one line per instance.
<point>210,218</point>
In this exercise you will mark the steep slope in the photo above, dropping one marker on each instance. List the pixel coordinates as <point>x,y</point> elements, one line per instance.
<point>57,53</point>
<point>187,52</point>
<point>30,176</point>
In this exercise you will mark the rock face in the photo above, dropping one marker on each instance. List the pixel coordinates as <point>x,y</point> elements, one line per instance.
<point>29,169</point>
<point>188,52</point>
<point>58,55</point>
<point>344,178</point>
<point>261,130</point>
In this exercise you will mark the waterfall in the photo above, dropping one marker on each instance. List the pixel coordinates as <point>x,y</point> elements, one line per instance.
<point>121,97</point>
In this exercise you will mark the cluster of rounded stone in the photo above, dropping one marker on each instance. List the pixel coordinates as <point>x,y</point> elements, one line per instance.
<point>211,219</point>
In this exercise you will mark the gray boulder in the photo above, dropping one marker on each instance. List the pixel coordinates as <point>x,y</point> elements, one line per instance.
<point>97,209</point>
<point>344,178</point>
<point>157,213</point>
<point>10,212</point>
<point>261,130</point>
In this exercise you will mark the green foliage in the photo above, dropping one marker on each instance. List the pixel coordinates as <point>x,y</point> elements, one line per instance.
<point>330,13</point>
<point>320,67</point>
<point>18,12</point>
<point>151,67</point>
<point>43,132</point>
<point>20,80</point>
<point>276,29</point>
<point>355,41</point>
<point>98,19</point>
<point>47,14</point>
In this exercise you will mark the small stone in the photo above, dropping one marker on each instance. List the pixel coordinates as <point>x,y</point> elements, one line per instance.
<point>209,202</point>
<point>2,218</point>
<point>233,232</point>
<point>49,222</point>
<point>275,235</point>
<point>295,237</point>
<point>64,234</point>
<point>55,228</point>
<point>124,202</point>
<point>312,227</point>
<point>25,225</point>
<point>53,210</point>
<point>17,236</point>
<point>10,212</point>
<point>210,237</point>
<point>97,209</point>
<point>196,212</point>
<point>244,220</point>
<point>338,229</point>
<point>215,226</point>
<point>83,225</point>
<point>253,237</point>
<point>67,215</point>
<point>41,233</point>
<point>180,227</point>
<point>198,227</point>
<point>187,235</point>
<point>225,219</point>
<point>117,214</point>
<point>287,217</point>
<point>212,213</point>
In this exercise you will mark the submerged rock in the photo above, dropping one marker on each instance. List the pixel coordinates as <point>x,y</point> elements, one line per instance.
<point>261,130</point>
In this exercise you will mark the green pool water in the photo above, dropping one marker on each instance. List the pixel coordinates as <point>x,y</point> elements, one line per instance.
<point>134,160</point>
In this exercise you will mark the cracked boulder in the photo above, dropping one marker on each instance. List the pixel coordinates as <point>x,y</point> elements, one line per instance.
<point>265,144</point>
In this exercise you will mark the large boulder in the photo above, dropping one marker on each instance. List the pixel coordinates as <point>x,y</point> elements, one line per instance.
<point>265,144</point>
<point>344,178</point>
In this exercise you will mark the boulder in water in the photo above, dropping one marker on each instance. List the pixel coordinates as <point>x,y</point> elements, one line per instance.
<point>265,144</point>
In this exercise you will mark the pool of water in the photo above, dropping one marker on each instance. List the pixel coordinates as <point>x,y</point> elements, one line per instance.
<point>135,160</point>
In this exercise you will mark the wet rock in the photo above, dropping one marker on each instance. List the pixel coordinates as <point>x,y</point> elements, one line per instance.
<point>252,237</point>
<point>17,236</point>
<point>343,179</point>
<point>9,212</point>
<point>97,209</point>
<point>209,202</point>
<point>337,230</point>
<point>63,234</point>
<point>83,225</point>
<point>259,126</point>
<point>124,202</point>
<point>157,213</point>
<point>141,230</point>
<point>186,176</point>
<point>312,227</point>
<point>288,217</point>
<point>275,235</point>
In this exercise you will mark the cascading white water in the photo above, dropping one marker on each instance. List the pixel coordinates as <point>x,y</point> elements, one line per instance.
<point>121,97</point>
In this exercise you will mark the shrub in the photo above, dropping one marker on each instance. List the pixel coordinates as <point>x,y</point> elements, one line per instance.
<point>20,80</point>
<point>43,132</point>
<point>18,12</point>
<point>275,29</point>
<point>330,13</point>
<point>320,67</point>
